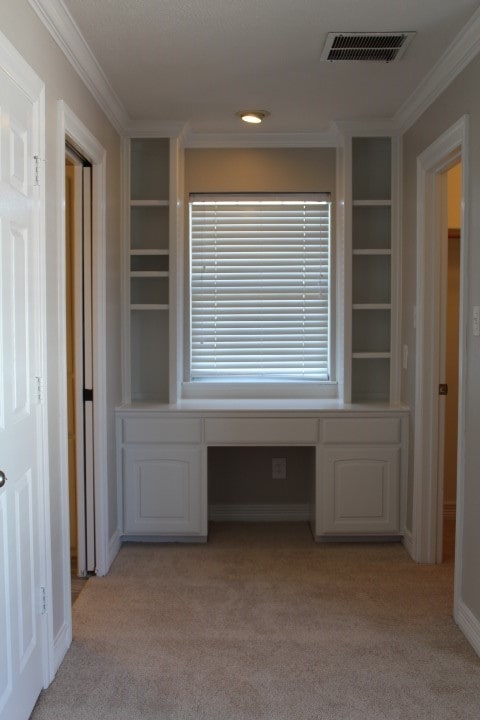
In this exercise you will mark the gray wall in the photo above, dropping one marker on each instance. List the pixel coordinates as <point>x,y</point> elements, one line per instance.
<point>24,30</point>
<point>238,476</point>
<point>461,97</point>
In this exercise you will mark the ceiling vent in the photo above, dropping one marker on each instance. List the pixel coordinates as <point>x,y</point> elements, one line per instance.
<point>376,47</point>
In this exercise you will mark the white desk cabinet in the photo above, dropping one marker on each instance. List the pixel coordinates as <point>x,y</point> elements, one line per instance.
<point>162,482</point>
<point>358,482</point>
<point>162,490</point>
<point>360,490</point>
<point>359,479</point>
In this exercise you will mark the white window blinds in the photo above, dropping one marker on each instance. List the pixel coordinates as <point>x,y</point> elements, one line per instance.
<point>259,288</point>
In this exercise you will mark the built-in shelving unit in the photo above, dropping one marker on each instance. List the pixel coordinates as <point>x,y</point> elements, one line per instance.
<point>163,446</point>
<point>149,268</point>
<point>371,268</point>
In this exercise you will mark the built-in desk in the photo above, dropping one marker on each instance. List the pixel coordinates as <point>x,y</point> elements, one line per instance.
<point>360,462</point>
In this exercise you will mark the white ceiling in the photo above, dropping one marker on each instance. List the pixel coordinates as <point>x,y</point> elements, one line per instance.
<point>199,61</point>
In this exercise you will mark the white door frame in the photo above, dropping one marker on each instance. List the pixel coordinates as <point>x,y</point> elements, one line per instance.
<point>77,347</point>
<point>34,88</point>
<point>82,349</point>
<point>448,149</point>
<point>71,129</point>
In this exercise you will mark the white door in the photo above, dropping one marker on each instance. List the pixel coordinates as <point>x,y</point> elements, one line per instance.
<point>21,465</point>
<point>78,198</point>
<point>89,492</point>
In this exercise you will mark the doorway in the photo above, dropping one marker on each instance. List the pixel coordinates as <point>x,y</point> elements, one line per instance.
<point>79,362</point>
<point>447,151</point>
<point>449,366</point>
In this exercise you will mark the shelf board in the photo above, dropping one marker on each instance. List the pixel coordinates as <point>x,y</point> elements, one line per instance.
<point>372,203</point>
<point>149,203</point>
<point>372,306</point>
<point>149,273</point>
<point>149,252</point>
<point>371,251</point>
<point>145,306</point>
<point>371,355</point>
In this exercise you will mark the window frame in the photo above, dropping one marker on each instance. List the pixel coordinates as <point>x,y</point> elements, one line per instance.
<point>258,389</point>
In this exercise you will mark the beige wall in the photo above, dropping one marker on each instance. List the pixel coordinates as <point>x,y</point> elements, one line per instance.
<point>260,170</point>
<point>454,187</point>
<point>454,181</point>
<point>461,97</point>
<point>23,29</point>
<point>451,373</point>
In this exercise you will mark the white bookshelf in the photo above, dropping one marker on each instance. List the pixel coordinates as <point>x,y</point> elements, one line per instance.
<point>148,261</point>
<point>371,268</point>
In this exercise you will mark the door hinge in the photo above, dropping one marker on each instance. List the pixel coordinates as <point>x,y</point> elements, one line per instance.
<point>443,389</point>
<point>43,601</point>
<point>87,395</point>
<point>36,169</point>
<point>39,388</point>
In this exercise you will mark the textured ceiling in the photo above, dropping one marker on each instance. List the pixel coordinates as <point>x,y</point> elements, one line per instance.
<point>199,61</point>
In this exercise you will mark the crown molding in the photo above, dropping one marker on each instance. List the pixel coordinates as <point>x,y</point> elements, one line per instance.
<point>327,139</point>
<point>366,128</point>
<point>150,128</point>
<point>458,55</point>
<point>67,35</point>
<point>64,30</point>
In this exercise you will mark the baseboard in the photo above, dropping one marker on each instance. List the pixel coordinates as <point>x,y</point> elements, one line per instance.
<point>189,539</point>
<point>61,644</point>
<point>408,541</point>
<point>260,513</point>
<point>469,625</point>
<point>114,546</point>
<point>449,509</point>
<point>357,539</point>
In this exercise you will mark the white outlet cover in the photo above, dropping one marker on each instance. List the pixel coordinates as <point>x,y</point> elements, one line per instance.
<point>279,468</point>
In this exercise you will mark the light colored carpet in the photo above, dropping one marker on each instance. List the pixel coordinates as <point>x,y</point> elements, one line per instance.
<point>78,584</point>
<point>261,623</point>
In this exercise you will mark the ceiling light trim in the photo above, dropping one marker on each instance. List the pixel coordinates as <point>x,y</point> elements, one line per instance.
<point>456,57</point>
<point>66,33</point>
<point>253,116</point>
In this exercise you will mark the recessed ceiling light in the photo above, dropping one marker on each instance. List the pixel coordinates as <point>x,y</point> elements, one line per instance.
<point>253,116</point>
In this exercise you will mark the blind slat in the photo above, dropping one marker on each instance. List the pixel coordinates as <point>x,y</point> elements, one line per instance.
<point>260,289</point>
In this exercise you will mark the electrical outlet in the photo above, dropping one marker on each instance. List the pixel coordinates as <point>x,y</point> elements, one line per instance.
<point>476,320</point>
<point>279,468</point>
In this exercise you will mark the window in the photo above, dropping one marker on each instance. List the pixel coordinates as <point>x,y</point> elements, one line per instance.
<point>259,288</point>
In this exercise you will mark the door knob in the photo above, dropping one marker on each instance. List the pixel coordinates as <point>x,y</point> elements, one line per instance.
<point>3,478</point>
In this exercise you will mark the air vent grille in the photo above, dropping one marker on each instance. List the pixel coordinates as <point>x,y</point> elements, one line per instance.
<point>376,47</point>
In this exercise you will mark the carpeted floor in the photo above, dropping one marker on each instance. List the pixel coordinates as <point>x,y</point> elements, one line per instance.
<point>78,584</point>
<point>260,624</point>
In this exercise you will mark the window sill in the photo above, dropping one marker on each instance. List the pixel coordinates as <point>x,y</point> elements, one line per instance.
<point>259,390</point>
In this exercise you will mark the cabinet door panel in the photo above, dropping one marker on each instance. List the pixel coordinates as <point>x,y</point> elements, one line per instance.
<point>359,488</point>
<point>162,490</point>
